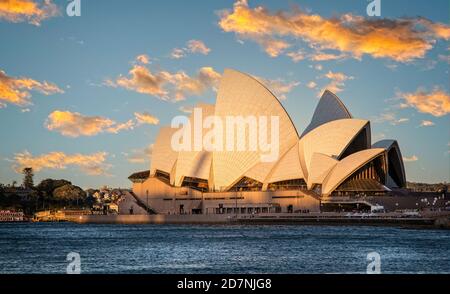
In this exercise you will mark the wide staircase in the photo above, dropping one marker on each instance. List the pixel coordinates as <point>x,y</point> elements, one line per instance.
<point>140,203</point>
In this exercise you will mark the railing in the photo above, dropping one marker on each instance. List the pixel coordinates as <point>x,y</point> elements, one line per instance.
<point>142,204</point>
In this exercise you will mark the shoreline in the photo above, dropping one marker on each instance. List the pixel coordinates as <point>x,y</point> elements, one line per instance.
<point>441,222</point>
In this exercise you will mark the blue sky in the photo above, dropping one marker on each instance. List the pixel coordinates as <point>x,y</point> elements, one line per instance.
<point>79,54</point>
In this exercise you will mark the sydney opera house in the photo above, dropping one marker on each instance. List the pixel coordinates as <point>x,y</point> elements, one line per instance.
<point>332,158</point>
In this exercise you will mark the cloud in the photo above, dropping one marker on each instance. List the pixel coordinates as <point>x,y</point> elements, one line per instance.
<point>337,82</point>
<point>311,85</point>
<point>186,109</point>
<point>146,118</point>
<point>320,56</point>
<point>273,47</point>
<point>27,10</point>
<point>279,87</point>
<point>16,90</point>
<point>166,85</point>
<point>117,127</point>
<point>391,118</point>
<point>426,123</point>
<point>296,56</point>
<point>177,53</point>
<point>92,164</point>
<point>74,124</point>
<point>197,46</point>
<point>143,58</point>
<point>402,120</point>
<point>192,46</point>
<point>402,39</point>
<point>436,102</point>
<point>410,159</point>
<point>184,85</point>
<point>140,155</point>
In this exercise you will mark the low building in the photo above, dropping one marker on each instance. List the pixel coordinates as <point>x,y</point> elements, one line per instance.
<point>11,216</point>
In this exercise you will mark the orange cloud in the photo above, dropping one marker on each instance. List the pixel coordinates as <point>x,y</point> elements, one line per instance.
<point>166,85</point>
<point>143,81</point>
<point>320,56</point>
<point>16,90</point>
<point>93,164</point>
<point>337,82</point>
<point>146,118</point>
<point>273,47</point>
<point>278,87</point>
<point>296,56</point>
<point>143,58</point>
<point>184,85</point>
<point>436,102</point>
<point>27,10</point>
<point>192,46</point>
<point>197,46</point>
<point>398,39</point>
<point>74,124</point>
<point>116,128</point>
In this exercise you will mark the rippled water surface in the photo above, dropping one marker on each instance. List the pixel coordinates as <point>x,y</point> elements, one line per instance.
<point>43,248</point>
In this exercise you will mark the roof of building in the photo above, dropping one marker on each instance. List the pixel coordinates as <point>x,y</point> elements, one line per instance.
<point>330,139</point>
<point>332,147</point>
<point>347,166</point>
<point>194,163</point>
<point>321,165</point>
<point>242,95</point>
<point>330,108</point>
<point>163,156</point>
<point>142,175</point>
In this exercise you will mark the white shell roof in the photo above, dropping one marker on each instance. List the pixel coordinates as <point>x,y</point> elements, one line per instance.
<point>241,95</point>
<point>346,167</point>
<point>314,157</point>
<point>287,168</point>
<point>163,156</point>
<point>321,164</point>
<point>330,139</point>
<point>329,108</point>
<point>194,163</point>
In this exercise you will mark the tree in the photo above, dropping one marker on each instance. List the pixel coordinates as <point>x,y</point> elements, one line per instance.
<point>47,186</point>
<point>28,178</point>
<point>69,193</point>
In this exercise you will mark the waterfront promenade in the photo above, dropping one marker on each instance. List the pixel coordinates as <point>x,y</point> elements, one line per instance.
<point>436,219</point>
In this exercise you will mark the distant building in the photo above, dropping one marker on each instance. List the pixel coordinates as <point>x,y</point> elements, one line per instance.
<point>333,157</point>
<point>11,216</point>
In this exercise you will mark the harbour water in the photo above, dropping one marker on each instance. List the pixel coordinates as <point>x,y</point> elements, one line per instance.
<point>43,248</point>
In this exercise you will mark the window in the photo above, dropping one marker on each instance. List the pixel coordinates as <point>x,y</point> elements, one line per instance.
<point>247,184</point>
<point>294,184</point>
<point>195,183</point>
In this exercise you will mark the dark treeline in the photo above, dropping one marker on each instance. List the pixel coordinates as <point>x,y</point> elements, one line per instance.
<point>48,194</point>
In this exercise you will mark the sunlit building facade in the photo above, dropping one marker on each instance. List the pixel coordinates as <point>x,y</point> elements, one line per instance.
<point>332,157</point>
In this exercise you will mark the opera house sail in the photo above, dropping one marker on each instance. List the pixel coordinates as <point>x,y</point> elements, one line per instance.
<point>332,157</point>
